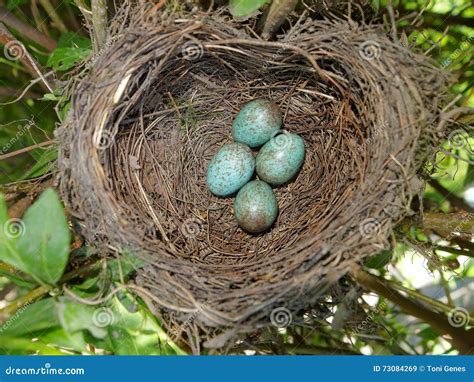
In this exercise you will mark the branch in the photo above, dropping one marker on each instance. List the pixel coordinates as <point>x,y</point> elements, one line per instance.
<point>26,30</point>
<point>99,23</point>
<point>276,16</point>
<point>447,224</point>
<point>454,200</point>
<point>462,339</point>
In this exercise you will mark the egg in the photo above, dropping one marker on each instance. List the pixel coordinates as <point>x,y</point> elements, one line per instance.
<point>280,159</point>
<point>230,169</point>
<point>257,122</point>
<point>255,207</point>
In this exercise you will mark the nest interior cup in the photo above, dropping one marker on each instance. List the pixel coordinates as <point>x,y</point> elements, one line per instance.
<point>159,102</point>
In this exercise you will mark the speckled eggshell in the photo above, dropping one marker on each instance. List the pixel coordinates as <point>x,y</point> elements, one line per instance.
<point>230,169</point>
<point>257,122</point>
<point>280,159</point>
<point>255,207</point>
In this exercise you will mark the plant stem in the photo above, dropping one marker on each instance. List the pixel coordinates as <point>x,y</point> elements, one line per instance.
<point>51,11</point>
<point>41,291</point>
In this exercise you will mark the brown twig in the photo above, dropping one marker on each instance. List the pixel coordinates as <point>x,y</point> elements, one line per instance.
<point>26,30</point>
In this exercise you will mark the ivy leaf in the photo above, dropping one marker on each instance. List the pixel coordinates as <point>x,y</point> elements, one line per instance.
<point>44,244</point>
<point>63,59</point>
<point>245,8</point>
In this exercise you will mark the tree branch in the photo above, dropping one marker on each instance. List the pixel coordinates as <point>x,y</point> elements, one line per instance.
<point>462,339</point>
<point>26,30</point>
<point>454,200</point>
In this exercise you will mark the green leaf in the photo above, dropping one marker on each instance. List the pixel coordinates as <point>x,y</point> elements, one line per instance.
<point>65,58</point>
<point>379,260</point>
<point>75,317</point>
<point>10,230</point>
<point>44,246</point>
<point>244,8</point>
<point>127,264</point>
<point>65,340</point>
<point>44,164</point>
<point>32,318</point>
<point>74,40</point>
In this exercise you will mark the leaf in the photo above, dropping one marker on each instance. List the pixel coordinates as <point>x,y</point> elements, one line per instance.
<point>127,264</point>
<point>66,340</point>
<point>44,164</point>
<point>44,246</point>
<point>10,229</point>
<point>379,260</point>
<point>65,58</point>
<point>32,318</point>
<point>75,317</point>
<point>74,40</point>
<point>244,8</point>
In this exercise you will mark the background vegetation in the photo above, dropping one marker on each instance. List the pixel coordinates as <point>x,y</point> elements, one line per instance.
<point>57,296</point>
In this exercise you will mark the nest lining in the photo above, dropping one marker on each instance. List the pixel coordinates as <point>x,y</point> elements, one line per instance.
<point>159,103</point>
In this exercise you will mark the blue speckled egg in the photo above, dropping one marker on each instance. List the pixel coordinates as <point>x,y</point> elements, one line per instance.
<point>230,169</point>
<point>255,207</point>
<point>280,159</point>
<point>257,122</point>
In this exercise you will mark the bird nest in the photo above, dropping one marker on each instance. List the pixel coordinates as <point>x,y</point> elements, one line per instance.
<point>158,103</point>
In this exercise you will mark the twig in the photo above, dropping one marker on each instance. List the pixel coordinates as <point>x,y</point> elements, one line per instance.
<point>276,16</point>
<point>41,291</point>
<point>26,149</point>
<point>26,30</point>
